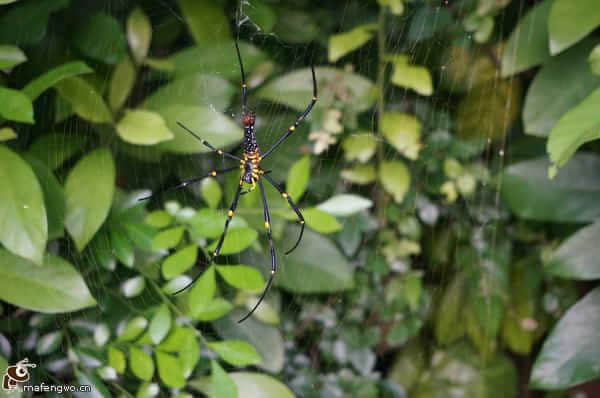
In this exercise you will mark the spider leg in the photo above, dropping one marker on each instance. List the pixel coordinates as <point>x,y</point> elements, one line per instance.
<point>194,180</point>
<point>244,86</point>
<point>293,206</point>
<point>302,116</point>
<point>271,249</point>
<point>208,144</point>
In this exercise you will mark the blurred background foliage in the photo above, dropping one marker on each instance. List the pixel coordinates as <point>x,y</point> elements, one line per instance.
<point>448,176</point>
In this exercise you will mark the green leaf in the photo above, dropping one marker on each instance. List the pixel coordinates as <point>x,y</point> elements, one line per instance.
<point>141,364</point>
<point>177,339</point>
<point>527,45</point>
<point>396,6</point>
<point>214,309</point>
<point>122,247</point>
<point>203,290</point>
<point>294,89</point>
<point>298,178</point>
<point>207,223</point>
<point>7,134</point>
<point>578,256</point>
<point>121,83</point>
<point>87,209</point>
<point>412,77</point>
<point>142,127</point>
<point>594,60</point>
<point>113,46</point>
<point>211,192</point>
<point>321,221</point>
<point>395,178</point>
<point>449,321</point>
<point>571,354</point>
<point>529,193</point>
<point>133,329</point>
<point>344,43</point>
<point>361,174</point>
<point>167,238</point>
<point>578,126</point>
<point>261,15</point>
<point>49,342</point>
<point>257,385</point>
<point>34,15</point>
<point>180,261</point>
<point>85,101</point>
<point>212,126</point>
<point>360,146</point>
<point>34,88</point>
<point>265,338</point>
<point>345,204</point>
<point>169,370</point>
<point>236,240</point>
<point>158,219</point>
<point>570,21</point>
<point>15,106</point>
<point>242,277</point>
<point>54,288</point>
<point>22,209</point>
<point>98,389</point>
<point>54,149</point>
<point>541,110</point>
<point>205,20</point>
<point>54,197</point>
<point>304,271</point>
<point>189,353</point>
<point>11,56</point>
<point>116,359</point>
<point>429,21</point>
<point>222,385</point>
<point>403,132</point>
<point>139,34</point>
<point>235,352</point>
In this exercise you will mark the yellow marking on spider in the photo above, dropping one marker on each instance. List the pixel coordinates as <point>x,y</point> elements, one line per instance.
<point>219,151</point>
<point>292,128</point>
<point>285,195</point>
<point>213,173</point>
<point>267,225</point>
<point>314,98</point>
<point>230,213</point>
<point>301,221</point>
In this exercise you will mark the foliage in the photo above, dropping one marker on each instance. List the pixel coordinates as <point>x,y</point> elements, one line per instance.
<point>439,254</point>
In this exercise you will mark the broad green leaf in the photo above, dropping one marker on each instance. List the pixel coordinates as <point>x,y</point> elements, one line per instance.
<point>294,89</point>
<point>34,88</point>
<point>396,6</point>
<point>49,342</point>
<point>235,352</point>
<point>134,286</point>
<point>304,271</point>
<point>205,20</point>
<point>546,102</point>
<point>345,204</point>
<point>112,46</point>
<point>207,223</point>
<point>257,385</point>
<point>395,178</point>
<point>211,126</point>
<point>242,277</point>
<point>148,390</point>
<point>22,209</point>
<point>578,126</point>
<point>570,21</point>
<point>7,134</point>
<point>572,196</point>
<point>85,101</point>
<point>265,338</point>
<point>527,45</point>
<point>98,389</point>
<point>117,360</point>
<point>193,89</point>
<point>211,192</point>
<point>412,77</point>
<point>298,178</point>
<point>54,197</point>
<point>361,174</point>
<point>176,340</point>
<point>133,329</point>
<point>594,60</point>
<point>189,353</point>
<point>158,219</point>
<point>180,261</point>
<point>15,106</point>
<point>169,370</point>
<point>344,43</point>
<point>121,83</point>
<point>403,132</point>
<point>11,56</point>
<point>360,146</point>
<point>236,240</point>
<point>139,34</point>
<point>141,363</point>
<point>87,208</point>
<point>167,238</point>
<point>321,221</point>
<point>449,321</point>
<point>222,384</point>
<point>56,287</point>
<point>33,15</point>
<point>578,257</point>
<point>122,247</point>
<point>429,21</point>
<point>203,290</point>
<point>262,15</point>
<point>571,354</point>
<point>142,127</point>
<point>54,149</point>
<point>214,309</point>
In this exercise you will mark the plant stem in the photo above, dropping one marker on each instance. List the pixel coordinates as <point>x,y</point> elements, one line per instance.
<point>380,108</point>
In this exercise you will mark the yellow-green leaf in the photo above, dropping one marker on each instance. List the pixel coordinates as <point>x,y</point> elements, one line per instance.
<point>298,178</point>
<point>242,277</point>
<point>403,132</point>
<point>139,34</point>
<point>360,146</point>
<point>11,56</point>
<point>143,127</point>
<point>141,363</point>
<point>121,83</point>
<point>85,101</point>
<point>179,262</point>
<point>343,43</point>
<point>412,77</point>
<point>235,352</point>
<point>321,221</point>
<point>360,174</point>
<point>395,178</point>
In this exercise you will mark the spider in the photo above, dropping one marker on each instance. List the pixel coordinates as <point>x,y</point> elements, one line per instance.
<point>252,174</point>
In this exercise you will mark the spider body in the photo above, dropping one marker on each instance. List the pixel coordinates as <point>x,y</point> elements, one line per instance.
<point>252,173</point>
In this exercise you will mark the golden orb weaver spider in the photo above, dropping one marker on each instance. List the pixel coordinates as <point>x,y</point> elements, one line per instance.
<point>251,173</point>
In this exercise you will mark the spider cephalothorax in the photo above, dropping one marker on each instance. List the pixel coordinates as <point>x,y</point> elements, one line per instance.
<point>251,173</point>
